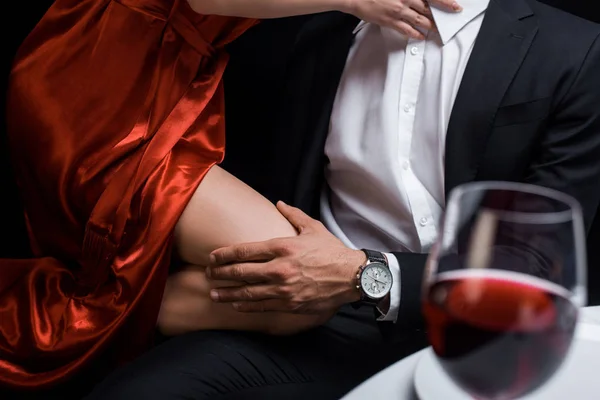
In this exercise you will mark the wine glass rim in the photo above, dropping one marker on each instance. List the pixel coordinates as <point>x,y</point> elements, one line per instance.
<point>553,194</point>
<point>453,218</point>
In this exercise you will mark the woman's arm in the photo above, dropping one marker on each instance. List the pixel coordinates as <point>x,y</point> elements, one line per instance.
<point>223,211</point>
<point>268,8</point>
<point>402,15</point>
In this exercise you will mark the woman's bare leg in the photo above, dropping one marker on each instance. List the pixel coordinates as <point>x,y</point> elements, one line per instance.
<point>223,211</point>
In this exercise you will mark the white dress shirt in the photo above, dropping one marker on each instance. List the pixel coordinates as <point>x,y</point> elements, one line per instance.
<point>386,143</point>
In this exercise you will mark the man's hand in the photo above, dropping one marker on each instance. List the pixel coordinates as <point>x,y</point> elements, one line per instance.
<point>311,273</point>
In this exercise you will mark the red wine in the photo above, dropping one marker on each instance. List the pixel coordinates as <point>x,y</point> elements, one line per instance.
<point>498,334</point>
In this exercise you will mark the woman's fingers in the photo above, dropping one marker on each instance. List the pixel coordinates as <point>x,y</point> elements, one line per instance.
<point>417,20</point>
<point>450,5</point>
<point>408,30</point>
<point>406,16</point>
<point>422,7</point>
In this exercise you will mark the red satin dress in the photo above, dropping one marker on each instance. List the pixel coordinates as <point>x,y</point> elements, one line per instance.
<point>115,112</point>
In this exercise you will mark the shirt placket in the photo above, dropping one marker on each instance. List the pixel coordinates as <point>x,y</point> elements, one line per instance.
<point>415,192</point>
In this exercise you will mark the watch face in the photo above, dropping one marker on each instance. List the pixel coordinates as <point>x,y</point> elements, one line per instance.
<point>376,280</point>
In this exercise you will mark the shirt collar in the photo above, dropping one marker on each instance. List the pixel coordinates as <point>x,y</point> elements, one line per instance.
<point>450,23</point>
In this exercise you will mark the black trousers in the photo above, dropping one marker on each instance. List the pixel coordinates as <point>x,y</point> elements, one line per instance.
<point>324,363</point>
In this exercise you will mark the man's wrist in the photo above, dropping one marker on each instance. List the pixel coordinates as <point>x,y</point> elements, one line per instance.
<point>354,261</point>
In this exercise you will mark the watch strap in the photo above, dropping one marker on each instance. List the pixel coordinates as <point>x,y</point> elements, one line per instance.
<point>375,256</point>
<point>369,301</point>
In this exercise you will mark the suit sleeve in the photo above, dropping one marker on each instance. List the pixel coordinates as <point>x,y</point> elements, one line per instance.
<point>408,285</point>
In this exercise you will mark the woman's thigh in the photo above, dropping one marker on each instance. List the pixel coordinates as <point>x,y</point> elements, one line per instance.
<point>222,211</point>
<point>225,211</point>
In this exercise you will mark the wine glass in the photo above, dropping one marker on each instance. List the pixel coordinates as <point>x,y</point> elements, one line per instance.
<point>503,286</point>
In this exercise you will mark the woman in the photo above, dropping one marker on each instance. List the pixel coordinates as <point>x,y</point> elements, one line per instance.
<point>115,118</point>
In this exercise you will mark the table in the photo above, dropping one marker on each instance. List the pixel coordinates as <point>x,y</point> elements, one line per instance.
<point>396,381</point>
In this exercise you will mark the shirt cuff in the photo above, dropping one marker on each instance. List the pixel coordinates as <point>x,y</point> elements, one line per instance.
<point>392,313</point>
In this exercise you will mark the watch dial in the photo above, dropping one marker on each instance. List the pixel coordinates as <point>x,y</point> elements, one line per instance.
<point>376,280</point>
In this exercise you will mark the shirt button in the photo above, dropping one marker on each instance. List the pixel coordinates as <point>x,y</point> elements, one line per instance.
<point>405,165</point>
<point>407,108</point>
<point>423,221</point>
<point>414,51</point>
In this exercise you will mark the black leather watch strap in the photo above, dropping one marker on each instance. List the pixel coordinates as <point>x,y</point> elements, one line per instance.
<point>375,256</point>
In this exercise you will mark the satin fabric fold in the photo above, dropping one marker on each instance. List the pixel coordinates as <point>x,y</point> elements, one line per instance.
<point>115,114</point>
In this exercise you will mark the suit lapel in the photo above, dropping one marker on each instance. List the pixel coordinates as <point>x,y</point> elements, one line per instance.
<point>506,34</point>
<point>329,37</point>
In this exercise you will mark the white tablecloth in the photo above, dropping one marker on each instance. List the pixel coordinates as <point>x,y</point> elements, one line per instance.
<point>396,381</point>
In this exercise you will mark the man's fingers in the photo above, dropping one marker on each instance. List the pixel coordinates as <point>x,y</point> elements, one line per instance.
<point>259,251</point>
<point>244,272</point>
<point>297,217</point>
<point>262,306</point>
<point>247,293</point>
<point>450,5</point>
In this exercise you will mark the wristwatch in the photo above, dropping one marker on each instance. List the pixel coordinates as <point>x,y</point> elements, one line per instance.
<point>374,279</point>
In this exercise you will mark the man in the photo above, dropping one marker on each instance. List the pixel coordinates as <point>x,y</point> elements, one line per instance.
<point>407,126</point>
<point>373,131</point>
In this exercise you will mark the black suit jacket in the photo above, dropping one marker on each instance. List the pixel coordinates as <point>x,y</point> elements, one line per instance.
<point>528,110</point>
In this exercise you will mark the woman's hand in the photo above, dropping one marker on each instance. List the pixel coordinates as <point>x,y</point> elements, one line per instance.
<point>401,15</point>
